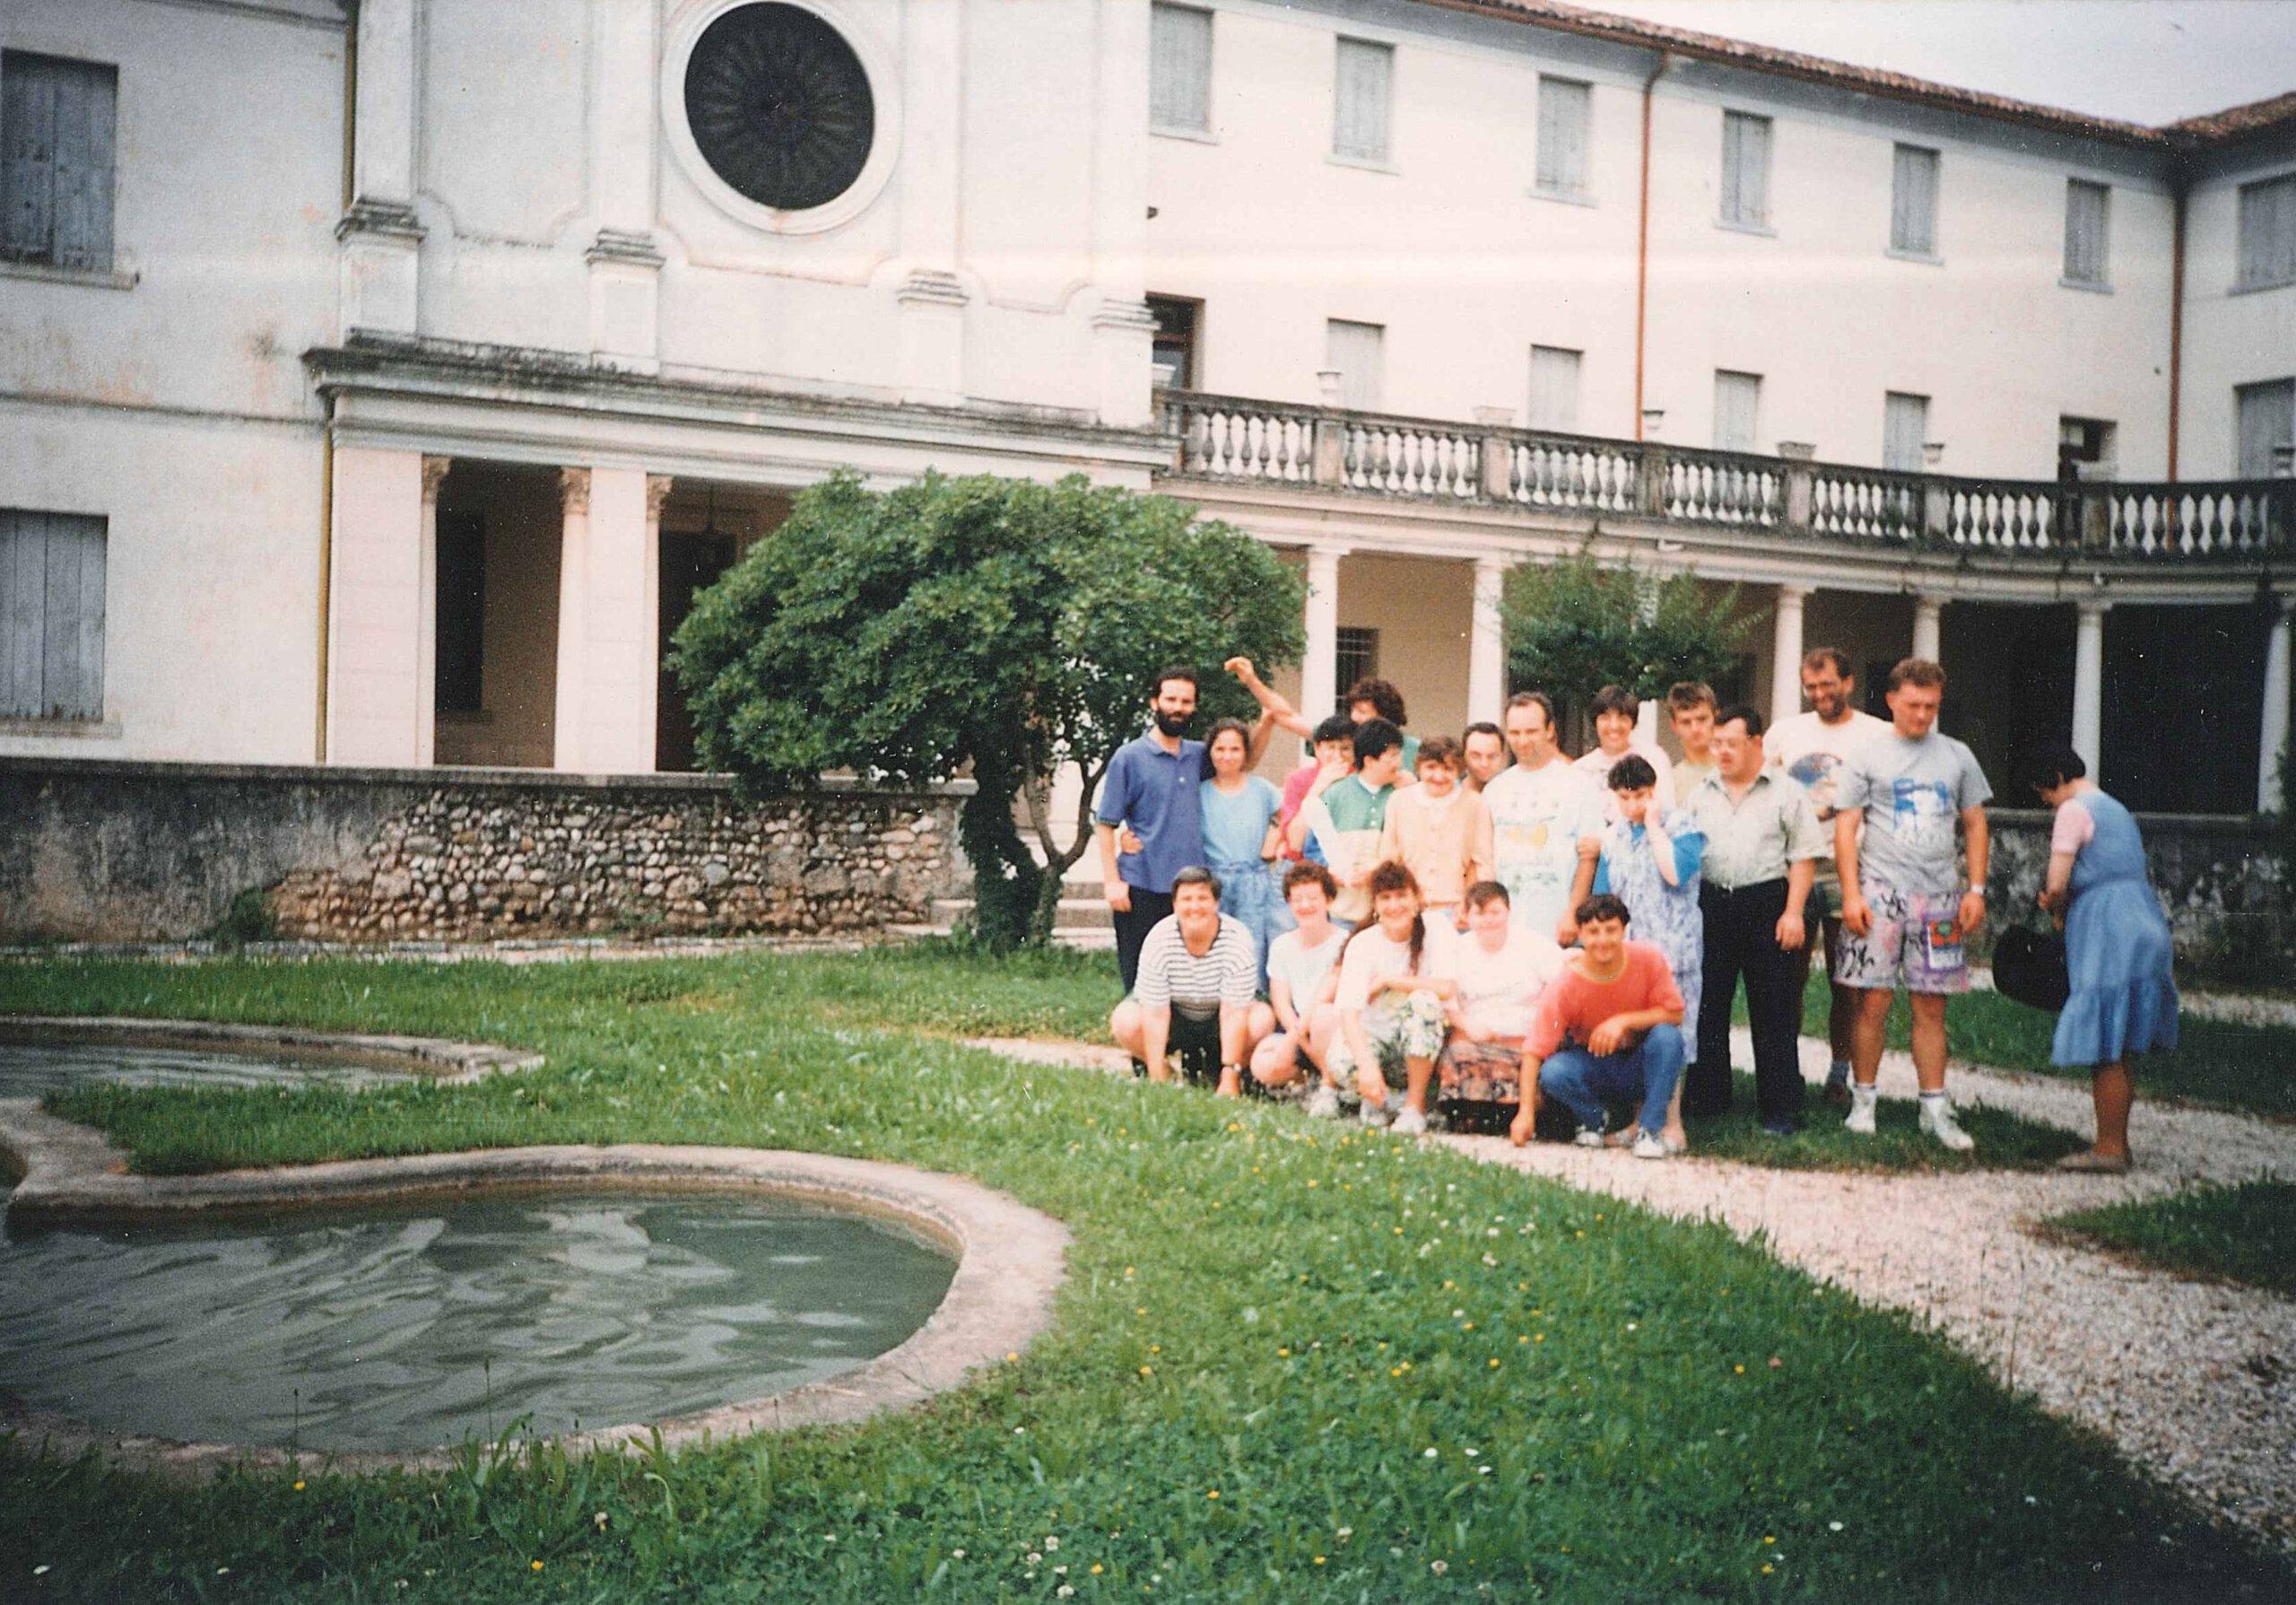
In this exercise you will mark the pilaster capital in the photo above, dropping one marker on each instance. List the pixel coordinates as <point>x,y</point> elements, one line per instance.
<point>1929,602</point>
<point>631,247</point>
<point>1328,551</point>
<point>1794,596</point>
<point>2092,607</point>
<point>574,491</point>
<point>434,474</point>
<point>933,286</point>
<point>1134,315</point>
<point>658,491</point>
<point>392,220</point>
<point>1492,566</point>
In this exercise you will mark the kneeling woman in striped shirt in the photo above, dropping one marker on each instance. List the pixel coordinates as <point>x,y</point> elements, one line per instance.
<point>1198,973</point>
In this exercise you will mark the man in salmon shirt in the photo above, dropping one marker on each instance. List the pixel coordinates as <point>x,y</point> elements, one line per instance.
<point>1607,1031</point>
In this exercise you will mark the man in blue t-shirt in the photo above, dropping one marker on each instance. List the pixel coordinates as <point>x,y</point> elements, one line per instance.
<point>1151,792</point>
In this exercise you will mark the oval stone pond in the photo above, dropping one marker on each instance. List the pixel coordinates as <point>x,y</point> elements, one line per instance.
<point>402,1325</point>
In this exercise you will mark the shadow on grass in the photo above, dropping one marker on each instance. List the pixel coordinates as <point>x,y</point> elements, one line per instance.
<point>2245,1233</point>
<point>2004,1141</point>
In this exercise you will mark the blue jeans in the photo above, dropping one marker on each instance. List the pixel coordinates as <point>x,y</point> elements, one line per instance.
<point>1586,1085</point>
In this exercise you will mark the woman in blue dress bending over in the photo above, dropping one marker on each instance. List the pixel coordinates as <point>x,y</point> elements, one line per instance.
<point>2117,950</point>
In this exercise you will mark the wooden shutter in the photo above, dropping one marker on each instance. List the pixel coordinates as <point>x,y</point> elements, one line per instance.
<point>1905,424</point>
<point>1737,410</point>
<point>1745,168</point>
<point>1554,388</point>
<point>2268,419</point>
<point>51,615</point>
<point>1354,349</point>
<point>1566,108</point>
<point>1180,69</point>
<point>56,126</point>
<point>2085,214</point>
<point>1359,125</point>
<point>2268,231</point>
<point>1913,202</point>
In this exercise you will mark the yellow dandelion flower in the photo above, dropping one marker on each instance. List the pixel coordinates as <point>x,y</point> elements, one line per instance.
<point>1213,1494</point>
<point>1494,1364</point>
<point>1096,1569</point>
<point>538,1566</point>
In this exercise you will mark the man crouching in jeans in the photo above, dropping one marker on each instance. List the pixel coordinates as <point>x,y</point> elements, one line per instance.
<point>1608,1032</point>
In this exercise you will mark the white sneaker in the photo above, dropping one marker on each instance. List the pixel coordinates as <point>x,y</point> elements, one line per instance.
<point>1862,1100</point>
<point>1324,1101</point>
<point>1648,1145</point>
<point>1408,1122</point>
<point>1588,1137</point>
<point>1937,1120</point>
<point>1373,1115</point>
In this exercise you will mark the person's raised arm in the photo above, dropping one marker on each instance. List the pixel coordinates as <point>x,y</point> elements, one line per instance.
<point>1272,705</point>
<point>1262,731</point>
<point>1972,913</point>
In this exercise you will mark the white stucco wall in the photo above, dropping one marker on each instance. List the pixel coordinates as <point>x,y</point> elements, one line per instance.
<point>1468,269</point>
<point>2232,336</point>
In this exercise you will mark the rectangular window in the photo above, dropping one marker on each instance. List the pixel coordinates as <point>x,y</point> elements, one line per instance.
<point>1566,111</point>
<point>2086,211</point>
<point>1172,364</point>
<point>1737,410</point>
<point>1904,425</point>
<point>2084,447</point>
<point>57,121</point>
<point>1554,388</point>
<point>1745,169</point>
<point>2267,233</point>
<point>1913,202</point>
<point>51,615</point>
<point>460,685</point>
<point>1354,349</point>
<point>2267,420</point>
<point>1358,658</point>
<point>1179,69</point>
<point>1360,120</point>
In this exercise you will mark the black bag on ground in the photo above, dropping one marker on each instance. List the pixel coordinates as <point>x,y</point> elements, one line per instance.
<point>2029,966</point>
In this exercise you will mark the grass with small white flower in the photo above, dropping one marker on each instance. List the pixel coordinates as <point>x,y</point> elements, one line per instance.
<point>1291,1362</point>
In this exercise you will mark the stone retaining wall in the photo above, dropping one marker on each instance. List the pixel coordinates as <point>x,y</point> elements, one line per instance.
<point>101,851</point>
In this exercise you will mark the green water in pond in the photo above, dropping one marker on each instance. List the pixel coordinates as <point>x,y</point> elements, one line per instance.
<point>402,1327</point>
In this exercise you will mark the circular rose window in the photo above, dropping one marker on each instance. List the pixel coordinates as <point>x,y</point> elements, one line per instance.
<point>779,106</point>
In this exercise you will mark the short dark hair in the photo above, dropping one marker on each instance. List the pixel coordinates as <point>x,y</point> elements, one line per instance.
<point>1374,737</point>
<point>1684,695</point>
<point>1337,727</point>
<point>1828,657</point>
<point>1196,875</point>
<point>1442,749</point>
<point>1744,714</point>
<point>2054,766</point>
<point>1221,727</point>
<point>1532,699</point>
<point>1632,773</point>
<point>1306,872</point>
<point>1156,687</point>
<point>1918,671</point>
<point>1602,905</point>
<point>1393,875</point>
<point>1381,695</point>
<point>1488,891</point>
<point>1613,699</point>
<point>1483,727</point>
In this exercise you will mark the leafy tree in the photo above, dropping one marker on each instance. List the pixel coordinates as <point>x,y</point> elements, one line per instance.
<point>1575,626</point>
<point>1000,625</point>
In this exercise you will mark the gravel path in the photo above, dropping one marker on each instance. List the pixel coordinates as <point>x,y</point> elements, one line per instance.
<point>2193,1379</point>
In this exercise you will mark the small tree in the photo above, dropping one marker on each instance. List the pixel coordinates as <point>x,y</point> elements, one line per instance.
<point>1575,626</point>
<point>1002,624</point>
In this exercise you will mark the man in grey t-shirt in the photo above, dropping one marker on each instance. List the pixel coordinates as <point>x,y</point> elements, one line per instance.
<point>1906,911</point>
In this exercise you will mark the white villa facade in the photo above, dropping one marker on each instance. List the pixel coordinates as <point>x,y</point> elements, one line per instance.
<point>378,383</point>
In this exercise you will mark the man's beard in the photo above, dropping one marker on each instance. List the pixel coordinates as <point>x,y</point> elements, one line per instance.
<point>1172,724</point>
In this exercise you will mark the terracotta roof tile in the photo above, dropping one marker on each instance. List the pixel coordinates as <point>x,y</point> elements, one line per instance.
<point>2240,122</point>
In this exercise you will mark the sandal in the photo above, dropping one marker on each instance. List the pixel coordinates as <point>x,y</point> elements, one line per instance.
<point>2090,1163</point>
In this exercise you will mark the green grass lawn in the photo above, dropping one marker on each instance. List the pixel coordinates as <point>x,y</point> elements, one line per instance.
<point>2251,1069</point>
<point>2243,1234</point>
<point>1332,1333</point>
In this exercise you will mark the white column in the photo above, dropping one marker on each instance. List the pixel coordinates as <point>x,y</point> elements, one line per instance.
<point>1785,653</point>
<point>1122,328</point>
<point>376,604</point>
<point>929,319</point>
<point>1486,645</point>
<point>426,618</point>
<point>2275,712</point>
<point>573,616</point>
<point>625,268</point>
<point>379,232</point>
<point>618,701</point>
<point>2088,684</point>
<point>1926,626</point>
<point>1320,674</point>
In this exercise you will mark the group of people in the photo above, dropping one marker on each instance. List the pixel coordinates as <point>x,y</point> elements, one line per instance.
<point>1404,921</point>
